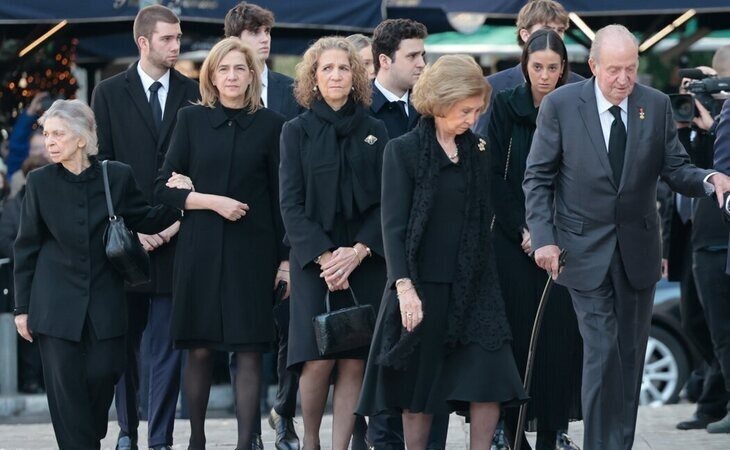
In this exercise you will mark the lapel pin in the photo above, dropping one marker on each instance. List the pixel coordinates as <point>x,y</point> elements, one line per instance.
<point>641,113</point>
<point>371,139</point>
<point>482,145</point>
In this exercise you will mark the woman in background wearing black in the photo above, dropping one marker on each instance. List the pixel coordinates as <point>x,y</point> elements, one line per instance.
<point>555,391</point>
<point>67,294</point>
<point>331,158</point>
<point>229,254</point>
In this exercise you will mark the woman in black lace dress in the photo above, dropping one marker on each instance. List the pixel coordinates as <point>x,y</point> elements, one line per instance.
<point>442,339</point>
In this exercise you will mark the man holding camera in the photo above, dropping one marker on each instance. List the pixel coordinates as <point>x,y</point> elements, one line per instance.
<point>717,307</point>
<point>702,315</point>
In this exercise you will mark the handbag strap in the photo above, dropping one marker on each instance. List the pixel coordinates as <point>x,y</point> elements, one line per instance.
<point>109,205</point>
<point>327,298</point>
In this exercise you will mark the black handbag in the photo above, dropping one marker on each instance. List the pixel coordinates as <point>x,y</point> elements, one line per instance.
<point>122,246</point>
<point>343,329</point>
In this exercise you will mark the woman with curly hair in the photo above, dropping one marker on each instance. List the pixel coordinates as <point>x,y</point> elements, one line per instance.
<point>331,159</point>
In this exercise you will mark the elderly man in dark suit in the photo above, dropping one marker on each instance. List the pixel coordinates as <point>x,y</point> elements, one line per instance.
<point>590,187</point>
<point>252,24</point>
<point>136,112</point>
<point>534,16</point>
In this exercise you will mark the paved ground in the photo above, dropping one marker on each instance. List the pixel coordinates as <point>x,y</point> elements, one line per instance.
<point>655,431</point>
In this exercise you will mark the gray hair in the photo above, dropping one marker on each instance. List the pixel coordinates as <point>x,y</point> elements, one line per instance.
<point>79,118</point>
<point>359,41</point>
<point>721,61</point>
<point>606,33</point>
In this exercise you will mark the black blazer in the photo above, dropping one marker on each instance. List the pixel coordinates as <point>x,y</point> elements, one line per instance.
<point>62,275</point>
<point>306,236</point>
<point>393,117</point>
<point>280,95</point>
<point>127,133</point>
<point>224,271</point>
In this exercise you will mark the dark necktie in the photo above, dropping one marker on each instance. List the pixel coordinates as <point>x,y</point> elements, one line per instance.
<point>155,104</point>
<point>402,105</point>
<point>617,144</point>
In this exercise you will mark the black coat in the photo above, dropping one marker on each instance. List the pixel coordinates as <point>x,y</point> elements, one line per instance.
<point>280,95</point>
<point>224,271</point>
<point>127,133</point>
<point>308,239</point>
<point>393,116</point>
<point>62,275</point>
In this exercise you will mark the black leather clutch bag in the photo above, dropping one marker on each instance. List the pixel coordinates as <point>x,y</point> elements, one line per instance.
<point>343,329</point>
<point>122,246</point>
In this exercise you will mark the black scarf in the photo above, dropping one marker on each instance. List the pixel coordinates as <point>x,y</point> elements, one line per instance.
<point>476,312</point>
<point>332,186</point>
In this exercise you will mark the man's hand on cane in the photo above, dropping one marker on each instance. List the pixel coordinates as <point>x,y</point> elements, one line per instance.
<point>548,257</point>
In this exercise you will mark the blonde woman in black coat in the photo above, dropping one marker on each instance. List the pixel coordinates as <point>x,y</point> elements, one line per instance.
<point>67,295</point>
<point>229,254</point>
<point>331,158</point>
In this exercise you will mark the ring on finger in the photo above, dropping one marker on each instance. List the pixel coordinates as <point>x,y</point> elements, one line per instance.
<point>339,272</point>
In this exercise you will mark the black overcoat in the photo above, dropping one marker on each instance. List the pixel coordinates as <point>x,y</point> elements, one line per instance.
<point>127,133</point>
<point>224,271</point>
<point>280,95</point>
<point>308,239</point>
<point>62,275</point>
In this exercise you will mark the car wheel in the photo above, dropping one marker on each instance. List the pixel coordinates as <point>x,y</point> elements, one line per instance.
<point>666,368</point>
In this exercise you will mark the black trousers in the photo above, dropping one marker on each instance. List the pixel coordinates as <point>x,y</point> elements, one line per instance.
<point>713,286</point>
<point>288,384</point>
<point>149,314</point>
<point>80,378</point>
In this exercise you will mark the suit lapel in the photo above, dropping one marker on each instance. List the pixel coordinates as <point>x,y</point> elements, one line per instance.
<point>175,97</point>
<point>139,98</point>
<point>589,113</point>
<point>633,130</point>
<point>273,97</point>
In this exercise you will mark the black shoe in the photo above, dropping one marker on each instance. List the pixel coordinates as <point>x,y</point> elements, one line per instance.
<point>126,443</point>
<point>286,435</point>
<point>32,387</point>
<point>564,442</point>
<point>256,442</point>
<point>697,422</point>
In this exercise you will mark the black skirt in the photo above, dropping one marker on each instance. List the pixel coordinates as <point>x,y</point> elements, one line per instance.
<point>555,396</point>
<point>438,379</point>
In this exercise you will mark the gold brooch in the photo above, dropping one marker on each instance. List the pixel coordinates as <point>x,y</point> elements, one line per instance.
<point>641,113</point>
<point>482,145</point>
<point>371,139</point>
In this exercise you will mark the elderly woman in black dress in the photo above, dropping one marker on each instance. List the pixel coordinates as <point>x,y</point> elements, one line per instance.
<point>230,249</point>
<point>556,381</point>
<point>68,297</point>
<point>331,158</point>
<point>442,339</point>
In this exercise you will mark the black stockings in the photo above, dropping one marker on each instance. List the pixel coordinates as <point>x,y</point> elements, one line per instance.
<point>198,377</point>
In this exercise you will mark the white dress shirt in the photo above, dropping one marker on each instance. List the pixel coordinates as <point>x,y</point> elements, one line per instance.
<point>391,97</point>
<point>265,86</point>
<point>162,92</point>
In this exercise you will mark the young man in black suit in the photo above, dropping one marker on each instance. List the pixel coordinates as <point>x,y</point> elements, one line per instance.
<point>136,112</point>
<point>252,24</point>
<point>399,59</point>
<point>535,15</point>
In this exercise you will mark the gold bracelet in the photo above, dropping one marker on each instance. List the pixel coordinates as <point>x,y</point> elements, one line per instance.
<point>399,293</point>
<point>357,255</point>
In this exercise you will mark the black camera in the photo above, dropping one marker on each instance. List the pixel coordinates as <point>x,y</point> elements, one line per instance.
<point>701,87</point>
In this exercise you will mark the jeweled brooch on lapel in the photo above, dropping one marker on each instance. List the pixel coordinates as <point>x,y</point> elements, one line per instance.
<point>641,113</point>
<point>371,139</point>
<point>482,145</point>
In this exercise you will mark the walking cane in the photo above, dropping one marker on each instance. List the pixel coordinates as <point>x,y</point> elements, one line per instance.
<point>531,352</point>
